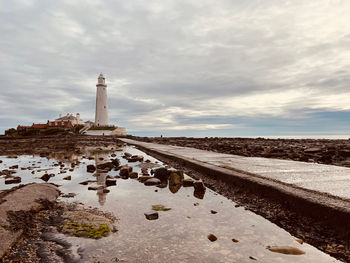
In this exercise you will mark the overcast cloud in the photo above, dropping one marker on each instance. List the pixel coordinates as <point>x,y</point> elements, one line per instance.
<point>191,67</point>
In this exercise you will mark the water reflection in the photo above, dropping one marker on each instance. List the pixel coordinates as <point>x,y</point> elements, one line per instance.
<point>101,176</point>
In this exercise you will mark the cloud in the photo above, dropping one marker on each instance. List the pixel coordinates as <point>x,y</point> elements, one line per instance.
<point>172,64</point>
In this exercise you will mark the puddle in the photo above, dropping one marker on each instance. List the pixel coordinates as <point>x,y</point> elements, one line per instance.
<point>178,235</point>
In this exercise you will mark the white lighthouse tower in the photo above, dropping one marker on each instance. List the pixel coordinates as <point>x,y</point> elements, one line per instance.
<point>101,114</point>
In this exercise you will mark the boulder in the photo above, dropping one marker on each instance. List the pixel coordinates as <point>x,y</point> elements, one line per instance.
<point>152,215</point>
<point>162,173</point>
<point>90,168</point>
<point>175,181</point>
<point>199,186</point>
<point>152,181</point>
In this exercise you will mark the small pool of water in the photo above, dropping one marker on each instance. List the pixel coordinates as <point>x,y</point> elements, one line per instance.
<point>178,235</point>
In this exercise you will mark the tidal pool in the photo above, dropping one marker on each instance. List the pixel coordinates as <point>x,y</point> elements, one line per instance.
<point>178,235</point>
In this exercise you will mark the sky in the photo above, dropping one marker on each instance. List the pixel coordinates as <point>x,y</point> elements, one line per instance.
<point>180,67</point>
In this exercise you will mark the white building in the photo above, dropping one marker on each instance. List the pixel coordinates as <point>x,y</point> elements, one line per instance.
<point>101,114</point>
<point>68,121</point>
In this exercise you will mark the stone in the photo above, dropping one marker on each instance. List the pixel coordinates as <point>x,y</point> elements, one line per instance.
<point>160,208</point>
<point>127,155</point>
<point>13,180</point>
<point>199,189</point>
<point>124,172</point>
<point>187,182</point>
<point>136,158</point>
<point>162,173</point>
<point>45,177</point>
<point>212,237</point>
<point>198,185</point>
<point>152,181</point>
<point>235,240</point>
<point>286,250</point>
<point>105,166</point>
<point>213,212</point>
<point>133,175</point>
<point>67,177</point>
<point>90,168</point>
<point>116,162</point>
<point>110,182</point>
<point>175,181</point>
<point>144,178</point>
<point>151,215</point>
<point>144,171</point>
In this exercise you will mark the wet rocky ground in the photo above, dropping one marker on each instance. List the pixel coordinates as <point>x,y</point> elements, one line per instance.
<point>326,151</point>
<point>166,211</point>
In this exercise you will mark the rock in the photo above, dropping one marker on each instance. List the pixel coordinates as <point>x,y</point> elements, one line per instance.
<point>13,180</point>
<point>175,181</point>
<point>45,177</point>
<point>144,171</point>
<point>116,162</point>
<point>187,182</point>
<point>105,166</point>
<point>160,208</point>
<point>162,174</point>
<point>67,177</point>
<point>151,215</point>
<point>199,189</point>
<point>235,240</point>
<point>286,250</point>
<point>0,161</point>
<point>212,237</point>
<point>113,155</point>
<point>133,175</point>
<point>136,158</point>
<point>144,178</point>
<point>90,168</point>
<point>110,182</point>
<point>213,212</point>
<point>124,172</point>
<point>127,155</point>
<point>199,186</point>
<point>152,181</point>
<point>14,166</point>
<point>252,258</point>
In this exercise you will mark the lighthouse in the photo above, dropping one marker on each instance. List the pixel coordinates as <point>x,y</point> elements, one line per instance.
<point>101,114</point>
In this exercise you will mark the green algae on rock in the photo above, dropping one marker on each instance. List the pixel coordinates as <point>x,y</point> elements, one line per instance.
<point>160,208</point>
<point>89,231</point>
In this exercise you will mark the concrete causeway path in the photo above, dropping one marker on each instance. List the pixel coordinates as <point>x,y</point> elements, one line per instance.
<point>324,185</point>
